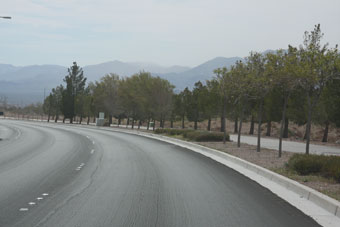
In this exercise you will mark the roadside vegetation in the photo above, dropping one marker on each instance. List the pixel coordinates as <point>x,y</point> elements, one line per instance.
<point>296,86</point>
<point>193,135</point>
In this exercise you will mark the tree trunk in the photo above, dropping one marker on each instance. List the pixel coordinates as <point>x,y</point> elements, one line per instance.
<point>325,133</point>
<point>94,119</point>
<point>148,126</point>
<point>235,125</point>
<point>133,122</point>
<point>223,120</point>
<point>81,119</point>
<point>258,149</point>
<point>128,121</point>
<point>195,125</point>
<point>71,120</point>
<point>183,116</point>
<point>119,120</point>
<point>309,123</point>
<point>110,119</point>
<point>48,117</point>
<point>222,125</point>
<point>285,131</point>
<point>240,129</point>
<point>139,124</point>
<point>252,125</point>
<point>64,119</point>
<point>154,125</point>
<point>171,123</point>
<point>239,133</point>
<point>88,119</point>
<point>269,128</point>
<point>282,125</point>
<point>163,123</point>
<point>56,118</point>
<point>209,124</point>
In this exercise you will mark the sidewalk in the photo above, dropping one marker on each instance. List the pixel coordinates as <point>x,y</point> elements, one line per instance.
<point>269,143</point>
<point>289,146</point>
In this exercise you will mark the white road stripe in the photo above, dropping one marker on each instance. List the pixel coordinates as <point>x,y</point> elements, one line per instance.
<point>31,203</point>
<point>40,198</point>
<point>23,209</point>
<point>92,151</point>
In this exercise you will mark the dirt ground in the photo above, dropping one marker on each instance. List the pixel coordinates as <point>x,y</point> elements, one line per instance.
<point>269,159</point>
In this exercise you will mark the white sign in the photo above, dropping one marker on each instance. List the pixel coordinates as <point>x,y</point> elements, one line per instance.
<point>101,115</point>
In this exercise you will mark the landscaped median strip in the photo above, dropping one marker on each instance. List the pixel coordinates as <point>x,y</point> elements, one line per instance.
<point>326,211</point>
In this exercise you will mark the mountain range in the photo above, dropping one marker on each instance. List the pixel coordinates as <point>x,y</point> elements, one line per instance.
<point>23,85</point>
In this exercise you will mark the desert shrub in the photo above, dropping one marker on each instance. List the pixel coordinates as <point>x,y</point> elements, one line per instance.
<point>331,168</point>
<point>205,136</point>
<point>326,166</point>
<point>172,131</point>
<point>194,135</point>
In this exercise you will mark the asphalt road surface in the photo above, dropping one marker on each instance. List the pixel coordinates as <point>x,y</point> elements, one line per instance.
<point>58,175</point>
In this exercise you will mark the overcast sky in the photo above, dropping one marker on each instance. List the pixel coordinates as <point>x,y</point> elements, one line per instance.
<point>168,32</point>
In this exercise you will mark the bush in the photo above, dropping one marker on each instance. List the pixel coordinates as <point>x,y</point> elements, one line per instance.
<point>326,166</point>
<point>194,135</point>
<point>172,131</point>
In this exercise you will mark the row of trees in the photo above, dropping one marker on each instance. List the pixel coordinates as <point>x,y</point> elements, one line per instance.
<point>299,84</point>
<point>140,97</point>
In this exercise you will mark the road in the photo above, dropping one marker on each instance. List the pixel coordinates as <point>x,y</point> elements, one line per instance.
<point>57,175</point>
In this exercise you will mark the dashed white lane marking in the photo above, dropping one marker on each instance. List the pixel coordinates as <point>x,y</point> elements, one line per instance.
<point>93,142</point>
<point>40,198</point>
<point>45,194</point>
<point>23,209</point>
<point>31,203</point>
<point>82,164</point>
<point>92,151</point>
<point>88,137</point>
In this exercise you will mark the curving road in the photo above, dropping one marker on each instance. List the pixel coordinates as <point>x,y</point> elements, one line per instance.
<point>58,175</point>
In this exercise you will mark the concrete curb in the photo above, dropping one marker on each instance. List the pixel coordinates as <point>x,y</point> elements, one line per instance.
<point>330,205</point>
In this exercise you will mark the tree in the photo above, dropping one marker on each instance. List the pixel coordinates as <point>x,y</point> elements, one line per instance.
<point>48,105</point>
<point>106,95</point>
<point>241,92</point>
<point>282,67</point>
<point>212,101</point>
<point>225,87</point>
<point>57,94</point>
<point>75,86</point>
<point>317,68</point>
<point>197,103</point>
<point>262,85</point>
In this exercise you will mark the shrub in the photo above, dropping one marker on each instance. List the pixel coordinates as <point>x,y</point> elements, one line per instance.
<point>204,136</point>
<point>194,135</point>
<point>305,164</point>
<point>326,166</point>
<point>172,131</point>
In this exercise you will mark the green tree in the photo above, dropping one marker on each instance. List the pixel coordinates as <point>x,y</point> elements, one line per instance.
<point>317,68</point>
<point>75,86</point>
<point>261,84</point>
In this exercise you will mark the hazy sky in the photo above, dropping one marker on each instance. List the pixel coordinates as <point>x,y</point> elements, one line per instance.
<point>168,32</point>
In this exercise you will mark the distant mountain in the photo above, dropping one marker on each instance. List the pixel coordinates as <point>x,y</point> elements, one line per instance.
<point>27,84</point>
<point>201,72</point>
<point>95,72</point>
